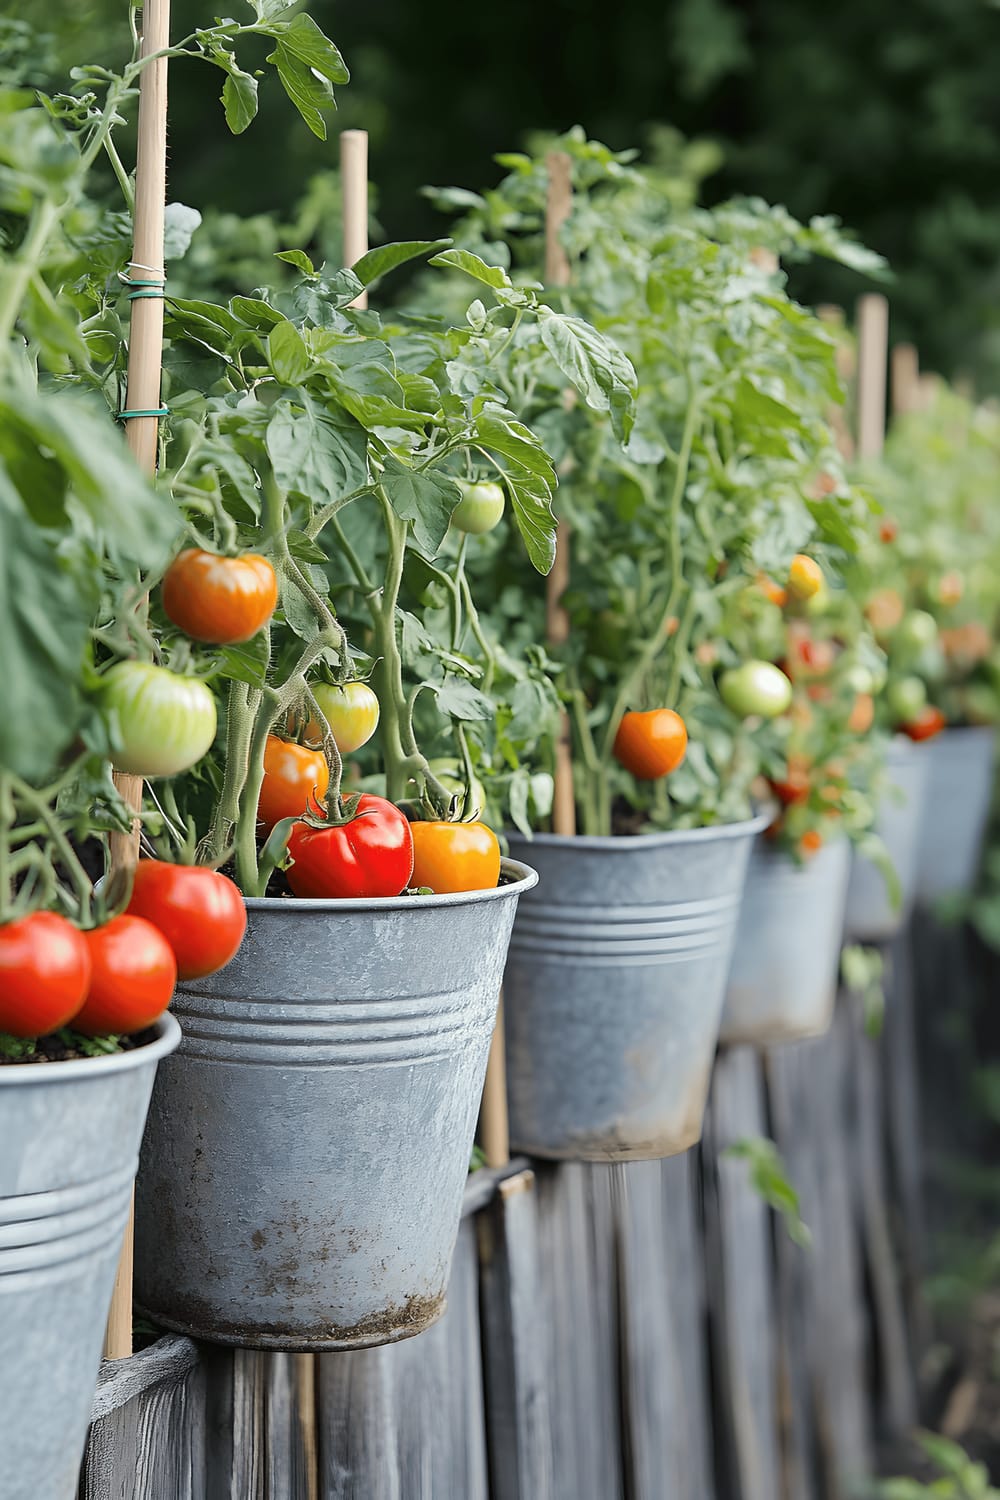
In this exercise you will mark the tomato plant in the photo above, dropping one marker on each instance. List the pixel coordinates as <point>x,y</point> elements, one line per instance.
<point>220,600</point>
<point>455,856</point>
<point>132,976</point>
<point>370,854</point>
<point>199,912</point>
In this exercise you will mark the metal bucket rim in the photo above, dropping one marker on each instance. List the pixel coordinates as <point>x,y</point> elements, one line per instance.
<point>524,878</point>
<point>707,833</point>
<point>75,1069</point>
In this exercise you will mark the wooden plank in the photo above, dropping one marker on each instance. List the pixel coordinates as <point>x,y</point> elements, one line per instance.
<point>581,1368</point>
<point>897,1386</point>
<point>811,1110</point>
<point>149,1441</point>
<point>738,1258</point>
<point>680,1185</point>
<point>664,1409</point>
<point>517,1421</point>
<point>406,1421</point>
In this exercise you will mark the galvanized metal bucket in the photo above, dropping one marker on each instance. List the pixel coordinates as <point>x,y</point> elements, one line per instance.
<point>956,810</point>
<point>69,1143</point>
<point>307,1148</point>
<point>614,989</point>
<point>783,982</point>
<point>870,916</point>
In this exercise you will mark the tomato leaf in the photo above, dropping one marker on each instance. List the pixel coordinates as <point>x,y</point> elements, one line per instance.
<point>288,355</point>
<point>297,258</point>
<point>385,258</point>
<point>460,700</point>
<point>239,99</point>
<point>423,497</point>
<point>315,456</point>
<point>599,371</point>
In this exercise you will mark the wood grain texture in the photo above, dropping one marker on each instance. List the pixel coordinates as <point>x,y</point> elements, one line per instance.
<point>151,1444</point>
<point>739,1265</point>
<point>812,1117</point>
<point>517,1406</point>
<point>407,1421</point>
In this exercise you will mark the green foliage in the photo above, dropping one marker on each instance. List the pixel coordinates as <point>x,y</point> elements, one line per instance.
<point>769,1179</point>
<point>673,516</point>
<point>961,1478</point>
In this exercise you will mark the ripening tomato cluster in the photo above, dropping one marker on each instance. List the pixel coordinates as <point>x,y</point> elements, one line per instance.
<point>183,922</point>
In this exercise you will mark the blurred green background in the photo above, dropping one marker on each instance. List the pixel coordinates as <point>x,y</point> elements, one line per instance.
<point>884,112</point>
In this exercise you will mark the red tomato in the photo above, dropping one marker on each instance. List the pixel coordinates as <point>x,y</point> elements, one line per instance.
<point>888,530</point>
<point>44,974</point>
<point>295,779</point>
<point>455,857</point>
<point>221,600</point>
<point>372,855</point>
<point>927,723</point>
<point>651,744</point>
<point>133,973</point>
<point>795,787</point>
<point>200,913</point>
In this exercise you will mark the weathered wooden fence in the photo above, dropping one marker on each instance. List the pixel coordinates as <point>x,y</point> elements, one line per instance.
<point>637,1332</point>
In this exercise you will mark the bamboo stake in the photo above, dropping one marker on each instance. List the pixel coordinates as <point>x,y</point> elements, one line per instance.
<point>557,273</point>
<point>905,379</point>
<point>873,354</point>
<point>354,186</point>
<point>845,362</point>
<point>494,1126</point>
<point>143,394</point>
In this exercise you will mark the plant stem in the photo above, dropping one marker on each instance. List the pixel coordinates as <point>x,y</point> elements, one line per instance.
<point>634,678</point>
<point>389,673</point>
<point>44,218</point>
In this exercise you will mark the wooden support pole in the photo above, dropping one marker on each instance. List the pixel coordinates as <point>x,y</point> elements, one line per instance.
<point>905,385</point>
<point>846,368</point>
<point>145,356</point>
<point>873,354</point>
<point>354,187</point>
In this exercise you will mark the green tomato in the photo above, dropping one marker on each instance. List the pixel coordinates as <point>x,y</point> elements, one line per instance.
<point>162,723</point>
<point>905,696</point>
<point>480,508</point>
<point>756,689</point>
<point>472,799</point>
<point>860,679</point>
<point>917,630</point>
<point>351,712</point>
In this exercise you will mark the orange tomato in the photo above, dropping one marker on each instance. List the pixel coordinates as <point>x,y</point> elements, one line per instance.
<point>455,857</point>
<point>772,591</point>
<point>884,610</point>
<point>805,577</point>
<point>651,744</point>
<point>950,589</point>
<point>888,531</point>
<point>810,843</point>
<point>294,777</point>
<point>220,600</point>
<point>862,714</point>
